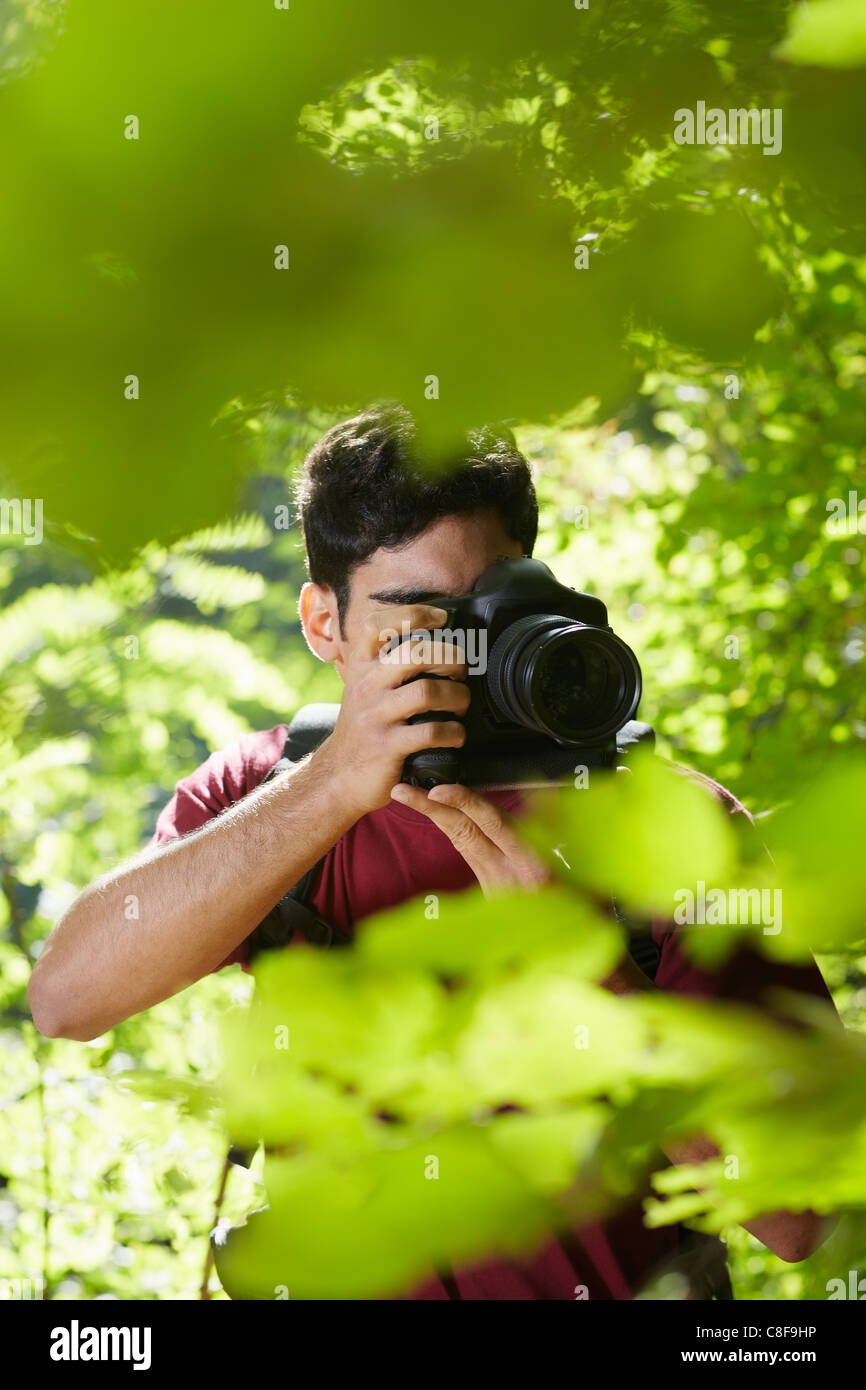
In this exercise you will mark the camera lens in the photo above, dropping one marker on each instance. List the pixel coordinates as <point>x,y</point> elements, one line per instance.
<point>563,678</point>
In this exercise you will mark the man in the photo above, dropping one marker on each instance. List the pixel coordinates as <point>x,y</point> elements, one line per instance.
<point>382,538</point>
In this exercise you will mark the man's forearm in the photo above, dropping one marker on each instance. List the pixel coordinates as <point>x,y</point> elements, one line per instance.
<point>790,1235</point>
<point>195,900</point>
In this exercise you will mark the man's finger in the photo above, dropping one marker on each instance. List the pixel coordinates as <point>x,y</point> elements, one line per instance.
<point>465,835</point>
<point>387,625</point>
<point>430,694</point>
<point>420,652</point>
<point>486,816</point>
<point>495,825</point>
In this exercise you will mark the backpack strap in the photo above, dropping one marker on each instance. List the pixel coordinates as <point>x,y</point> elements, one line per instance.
<point>294,912</point>
<point>642,946</point>
<point>311,726</point>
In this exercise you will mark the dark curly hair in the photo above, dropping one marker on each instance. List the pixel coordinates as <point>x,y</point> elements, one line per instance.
<point>364,486</point>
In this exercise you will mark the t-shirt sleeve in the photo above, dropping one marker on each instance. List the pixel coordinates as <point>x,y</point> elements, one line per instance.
<point>746,976</point>
<point>222,780</point>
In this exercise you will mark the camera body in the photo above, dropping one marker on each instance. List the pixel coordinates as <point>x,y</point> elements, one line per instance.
<point>552,686</point>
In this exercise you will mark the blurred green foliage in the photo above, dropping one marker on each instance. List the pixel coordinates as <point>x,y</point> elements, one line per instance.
<point>693,402</point>
<point>358,1070</point>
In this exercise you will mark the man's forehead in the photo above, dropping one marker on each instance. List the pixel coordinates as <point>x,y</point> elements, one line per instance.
<point>410,585</point>
<point>444,560</point>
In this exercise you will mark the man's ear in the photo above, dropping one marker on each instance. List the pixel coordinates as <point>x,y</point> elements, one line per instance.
<point>320,619</point>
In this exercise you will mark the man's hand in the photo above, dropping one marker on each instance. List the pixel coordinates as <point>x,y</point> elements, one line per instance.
<point>372,739</point>
<point>480,832</point>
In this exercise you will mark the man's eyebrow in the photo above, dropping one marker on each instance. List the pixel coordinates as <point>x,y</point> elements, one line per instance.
<point>403,596</point>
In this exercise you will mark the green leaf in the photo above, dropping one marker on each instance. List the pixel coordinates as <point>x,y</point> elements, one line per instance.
<point>826,33</point>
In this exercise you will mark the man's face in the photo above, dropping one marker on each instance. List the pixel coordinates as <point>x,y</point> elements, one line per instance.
<point>446,560</point>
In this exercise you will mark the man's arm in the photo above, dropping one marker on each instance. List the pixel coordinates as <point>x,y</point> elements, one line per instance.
<point>790,1235</point>
<point>199,897</point>
<point>480,832</point>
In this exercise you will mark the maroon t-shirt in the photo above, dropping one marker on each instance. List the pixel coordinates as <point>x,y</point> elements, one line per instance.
<point>393,854</point>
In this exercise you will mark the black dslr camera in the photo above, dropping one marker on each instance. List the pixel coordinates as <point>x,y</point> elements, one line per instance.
<point>552,687</point>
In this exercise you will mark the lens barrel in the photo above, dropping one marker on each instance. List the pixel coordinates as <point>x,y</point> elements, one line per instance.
<point>563,678</point>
